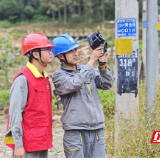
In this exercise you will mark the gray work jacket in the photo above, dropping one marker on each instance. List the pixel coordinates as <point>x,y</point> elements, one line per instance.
<point>79,96</point>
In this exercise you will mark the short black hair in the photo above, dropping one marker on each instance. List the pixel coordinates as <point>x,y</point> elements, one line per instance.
<point>59,59</point>
<point>30,54</point>
<point>30,58</point>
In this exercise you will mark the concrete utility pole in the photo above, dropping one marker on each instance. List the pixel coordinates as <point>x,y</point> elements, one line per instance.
<point>127,76</point>
<point>144,17</point>
<point>157,64</point>
<point>151,58</point>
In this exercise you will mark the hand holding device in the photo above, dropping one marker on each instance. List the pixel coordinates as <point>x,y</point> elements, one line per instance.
<point>95,40</point>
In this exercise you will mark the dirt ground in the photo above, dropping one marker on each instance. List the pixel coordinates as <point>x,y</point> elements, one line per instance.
<point>57,130</point>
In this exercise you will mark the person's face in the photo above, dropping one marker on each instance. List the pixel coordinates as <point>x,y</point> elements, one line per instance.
<point>71,56</point>
<point>46,55</point>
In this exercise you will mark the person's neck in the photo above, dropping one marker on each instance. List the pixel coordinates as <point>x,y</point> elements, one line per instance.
<point>39,67</point>
<point>69,67</point>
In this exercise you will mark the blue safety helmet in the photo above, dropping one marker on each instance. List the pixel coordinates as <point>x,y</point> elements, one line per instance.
<point>63,44</point>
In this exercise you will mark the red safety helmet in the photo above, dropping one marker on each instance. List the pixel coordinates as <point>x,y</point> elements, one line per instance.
<point>34,41</point>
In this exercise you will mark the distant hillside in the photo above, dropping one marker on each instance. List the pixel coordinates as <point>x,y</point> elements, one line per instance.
<point>50,29</point>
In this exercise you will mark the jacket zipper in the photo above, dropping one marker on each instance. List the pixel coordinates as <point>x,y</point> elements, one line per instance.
<point>87,105</point>
<point>90,117</point>
<point>89,88</point>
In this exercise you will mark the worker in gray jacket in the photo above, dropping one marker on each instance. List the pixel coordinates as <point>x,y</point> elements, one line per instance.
<point>83,118</point>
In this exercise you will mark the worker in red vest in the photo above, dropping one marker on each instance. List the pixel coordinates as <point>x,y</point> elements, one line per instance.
<point>29,129</point>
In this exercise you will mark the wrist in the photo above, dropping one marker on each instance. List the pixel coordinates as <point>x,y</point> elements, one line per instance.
<point>19,147</point>
<point>102,67</point>
<point>91,62</point>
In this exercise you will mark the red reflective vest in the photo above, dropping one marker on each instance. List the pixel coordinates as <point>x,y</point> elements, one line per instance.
<point>37,115</point>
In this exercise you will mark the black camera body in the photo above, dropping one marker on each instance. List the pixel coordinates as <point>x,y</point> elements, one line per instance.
<point>95,40</point>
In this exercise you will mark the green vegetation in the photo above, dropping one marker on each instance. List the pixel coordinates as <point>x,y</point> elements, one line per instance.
<point>57,11</point>
<point>5,24</point>
<point>135,140</point>
<point>56,102</point>
<point>20,12</point>
<point>140,45</point>
<point>4,98</point>
<point>49,15</point>
<point>5,58</point>
<point>108,102</point>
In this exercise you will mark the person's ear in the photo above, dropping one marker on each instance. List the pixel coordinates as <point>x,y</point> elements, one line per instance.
<point>36,54</point>
<point>60,56</point>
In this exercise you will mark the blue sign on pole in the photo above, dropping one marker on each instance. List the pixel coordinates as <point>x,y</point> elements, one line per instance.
<point>126,27</point>
<point>144,24</point>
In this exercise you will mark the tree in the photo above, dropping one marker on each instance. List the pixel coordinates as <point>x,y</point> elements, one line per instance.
<point>51,6</point>
<point>30,8</point>
<point>97,6</point>
<point>60,5</point>
<point>7,49</point>
<point>110,9</point>
<point>103,11</point>
<point>65,11</point>
<point>88,10</point>
<point>72,4</point>
<point>79,7</point>
<point>29,11</point>
<point>11,9</point>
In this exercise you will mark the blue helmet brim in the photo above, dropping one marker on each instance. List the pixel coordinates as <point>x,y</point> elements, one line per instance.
<point>71,48</point>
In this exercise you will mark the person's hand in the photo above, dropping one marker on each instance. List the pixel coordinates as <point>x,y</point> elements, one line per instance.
<point>19,152</point>
<point>98,52</point>
<point>103,59</point>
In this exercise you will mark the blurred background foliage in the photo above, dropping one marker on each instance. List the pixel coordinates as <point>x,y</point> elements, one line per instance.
<point>57,11</point>
<point>16,11</point>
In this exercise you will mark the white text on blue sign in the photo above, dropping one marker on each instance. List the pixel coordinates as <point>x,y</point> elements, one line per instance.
<point>126,27</point>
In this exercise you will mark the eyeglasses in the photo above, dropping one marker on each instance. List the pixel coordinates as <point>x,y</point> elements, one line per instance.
<point>74,50</point>
<point>49,50</point>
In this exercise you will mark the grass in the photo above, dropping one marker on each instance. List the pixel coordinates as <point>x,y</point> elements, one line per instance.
<point>108,101</point>
<point>4,98</point>
<point>140,45</point>
<point>134,140</point>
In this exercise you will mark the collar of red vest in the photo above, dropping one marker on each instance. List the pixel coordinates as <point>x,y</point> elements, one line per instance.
<point>35,71</point>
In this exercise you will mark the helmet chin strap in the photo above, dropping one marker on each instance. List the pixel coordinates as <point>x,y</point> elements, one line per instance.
<point>41,62</point>
<point>66,62</point>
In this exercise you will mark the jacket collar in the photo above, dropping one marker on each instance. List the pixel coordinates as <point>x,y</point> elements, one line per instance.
<point>35,71</point>
<point>69,70</point>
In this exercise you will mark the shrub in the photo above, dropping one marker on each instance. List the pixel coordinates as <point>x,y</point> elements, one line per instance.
<point>56,101</point>
<point>5,24</point>
<point>135,139</point>
<point>40,18</point>
<point>108,102</point>
<point>4,98</point>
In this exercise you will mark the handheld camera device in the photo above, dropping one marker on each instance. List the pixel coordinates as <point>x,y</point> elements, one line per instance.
<point>95,40</point>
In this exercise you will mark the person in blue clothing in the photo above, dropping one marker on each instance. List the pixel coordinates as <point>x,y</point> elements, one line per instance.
<point>83,118</point>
